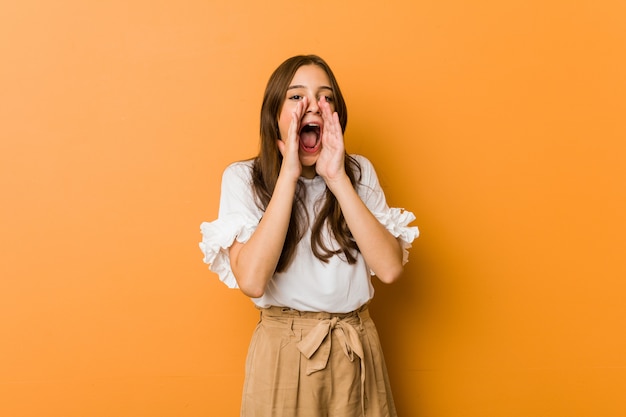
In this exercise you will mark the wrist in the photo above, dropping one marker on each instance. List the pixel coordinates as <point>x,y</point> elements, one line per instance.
<point>339,184</point>
<point>286,182</point>
<point>287,176</point>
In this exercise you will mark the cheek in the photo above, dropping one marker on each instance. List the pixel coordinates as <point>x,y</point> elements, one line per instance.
<point>283,125</point>
<point>284,121</point>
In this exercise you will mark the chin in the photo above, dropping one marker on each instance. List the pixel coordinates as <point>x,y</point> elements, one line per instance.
<point>308,160</point>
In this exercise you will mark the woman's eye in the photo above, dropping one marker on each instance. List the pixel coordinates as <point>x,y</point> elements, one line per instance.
<point>295,97</point>
<point>328,99</point>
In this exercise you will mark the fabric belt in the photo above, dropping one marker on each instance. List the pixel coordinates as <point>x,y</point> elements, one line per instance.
<point>317,344</point>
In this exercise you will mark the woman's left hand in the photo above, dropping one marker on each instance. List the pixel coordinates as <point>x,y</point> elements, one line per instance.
<point>330,163</point>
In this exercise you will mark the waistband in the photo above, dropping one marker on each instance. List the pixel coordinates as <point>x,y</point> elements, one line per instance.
<point>289,313</point>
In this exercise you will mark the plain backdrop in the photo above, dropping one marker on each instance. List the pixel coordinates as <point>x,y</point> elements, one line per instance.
<point>500,124</point>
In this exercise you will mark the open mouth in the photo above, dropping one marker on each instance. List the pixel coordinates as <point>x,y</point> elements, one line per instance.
<point>310,137</point>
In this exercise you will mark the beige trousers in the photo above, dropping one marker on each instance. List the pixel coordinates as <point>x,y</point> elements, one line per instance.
<point>308,364</point>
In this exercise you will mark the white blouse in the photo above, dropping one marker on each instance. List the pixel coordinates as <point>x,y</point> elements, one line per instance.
<point>308,284</point>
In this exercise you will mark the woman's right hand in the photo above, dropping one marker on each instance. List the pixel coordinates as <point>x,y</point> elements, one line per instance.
<point>289,147</point>
<point>254,262</point>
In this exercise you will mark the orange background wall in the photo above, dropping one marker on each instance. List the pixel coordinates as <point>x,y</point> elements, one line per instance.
<point>499,123</point>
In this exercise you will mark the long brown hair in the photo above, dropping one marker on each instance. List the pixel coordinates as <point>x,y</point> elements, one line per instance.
<point>267,164</point>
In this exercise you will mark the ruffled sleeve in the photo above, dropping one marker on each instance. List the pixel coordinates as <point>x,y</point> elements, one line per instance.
<point>396,220</point>
<point>238,218</point>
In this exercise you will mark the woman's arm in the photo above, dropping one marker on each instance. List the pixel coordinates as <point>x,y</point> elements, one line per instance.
<point>380,249</point>
<point>254,262</point>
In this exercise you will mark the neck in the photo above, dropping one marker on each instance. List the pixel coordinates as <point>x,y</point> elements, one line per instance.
<point>308,172</point>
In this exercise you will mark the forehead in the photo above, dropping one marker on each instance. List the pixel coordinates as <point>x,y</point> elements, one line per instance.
<point>310,76</point>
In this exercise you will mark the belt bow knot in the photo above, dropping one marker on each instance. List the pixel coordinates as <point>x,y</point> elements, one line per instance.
<point>316,346</point>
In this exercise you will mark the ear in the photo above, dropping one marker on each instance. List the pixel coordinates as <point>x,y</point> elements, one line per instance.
<point>281,146</point>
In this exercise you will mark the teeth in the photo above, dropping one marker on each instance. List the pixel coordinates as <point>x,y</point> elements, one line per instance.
<point>311,127</point>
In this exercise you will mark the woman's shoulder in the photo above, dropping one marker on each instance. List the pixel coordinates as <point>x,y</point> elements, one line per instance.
<point>365,166</point>
<point>244,165</point>
<point>241,169</point>
<point>362,161</point>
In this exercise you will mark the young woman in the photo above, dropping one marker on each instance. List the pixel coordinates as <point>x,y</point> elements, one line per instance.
<point>301,229</point>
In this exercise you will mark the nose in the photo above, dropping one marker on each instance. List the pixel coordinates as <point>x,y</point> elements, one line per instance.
<point>313,106</point>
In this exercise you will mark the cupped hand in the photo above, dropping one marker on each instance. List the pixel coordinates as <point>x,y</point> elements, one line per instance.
<point>330,164</point>
<point>289,147</point>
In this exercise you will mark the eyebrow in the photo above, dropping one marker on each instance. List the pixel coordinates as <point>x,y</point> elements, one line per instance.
<point>323,87</point>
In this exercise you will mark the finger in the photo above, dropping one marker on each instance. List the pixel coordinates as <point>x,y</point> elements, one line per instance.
<point>326,128</point>
<point>325,106</point>
<point>305,105</point>
<point>331,130</point>
<point>330,118</point>
<point>336,120</point>
<point>300,109</point>
<point>293,126</point>
<point>296,116</point>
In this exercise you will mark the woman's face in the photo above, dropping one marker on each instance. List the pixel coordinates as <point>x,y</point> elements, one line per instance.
<point>312,82</point>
